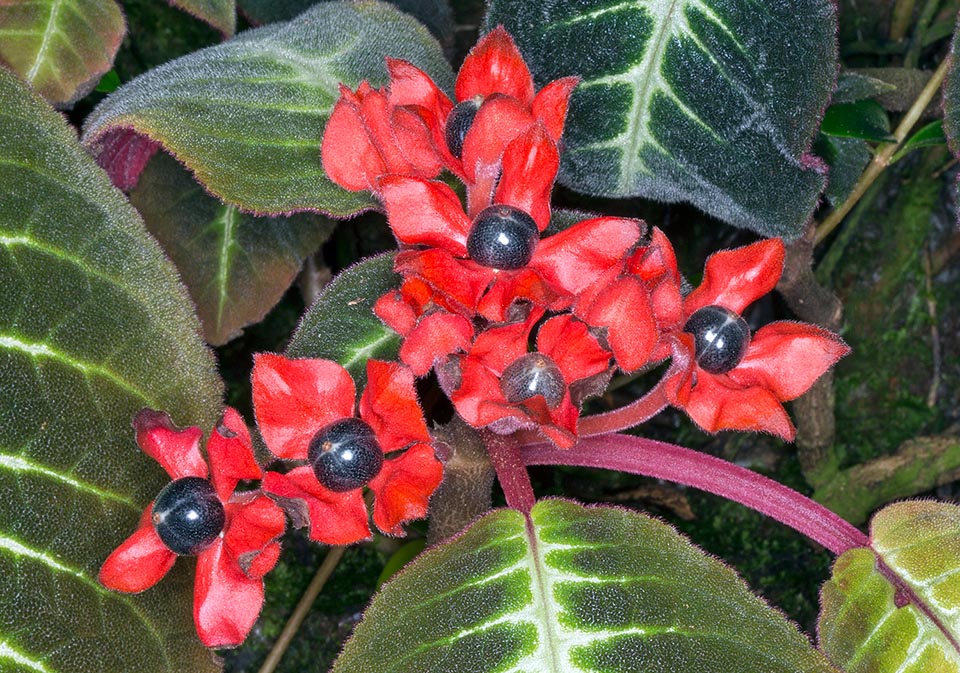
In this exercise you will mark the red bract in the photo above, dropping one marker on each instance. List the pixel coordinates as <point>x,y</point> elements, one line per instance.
<point>426,213</point>
<point>505,388</point>
<point>782,361</point>
<point>228,592</point>
<point>296,400</point>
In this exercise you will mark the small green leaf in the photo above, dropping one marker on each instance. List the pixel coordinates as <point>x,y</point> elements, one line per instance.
<point>221,14</point>
<point>109,82</point>
<point>60,47</point>
<point>94,326</point>
<point>708,101</point>
<point>400,558</point>
<point>895,607</point>
<point>235,265</point>
<point>846,157</point>
<point>931,135</point>
<point>854,86</point>
<point>247,116</point>
<point>341,325</point>
<point>572,588</point>
<point>865,120</point>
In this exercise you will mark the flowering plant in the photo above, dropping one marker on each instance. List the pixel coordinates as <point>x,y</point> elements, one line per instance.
<point>496,324</point>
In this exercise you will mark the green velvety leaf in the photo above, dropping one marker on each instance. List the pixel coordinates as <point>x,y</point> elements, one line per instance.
<point>895,607</point>
<point>854,86</point>
<point>715,102</point>
<point>235,265</point>
<point>221,14</point>
<point>247,116</point>
<point>846,157</point>
<point>951,104</point>
<point>60,47</point>
<point>572,589</point>
<point>94,326</point>
<point>436,15</point>
<point>864,119</point>
<point>341,325</point>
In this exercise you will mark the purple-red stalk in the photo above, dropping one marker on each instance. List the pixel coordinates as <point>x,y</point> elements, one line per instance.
<point>512,474</point>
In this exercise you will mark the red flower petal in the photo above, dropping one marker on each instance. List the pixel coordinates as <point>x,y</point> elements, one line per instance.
<point>416,143</point>
<point>624,309</point>
<point>140,561</point>
<point>511,286</point>
<point>422,212</point>
<point>226,603</point>
<point>499,120</point>
<point>736,278</point>
<point>530,164</point>
<point>253,522</point>
<point>396,312</point>
<point>437,335</point>
<point>788,357</point>
<point>550,104</point>
<point>348,154</point>
<point>479,384</point>
<point>576,257</point>
<point>495,65</point>
<point>293,399</point>
<point>497,347</point>
<point>231,454</point>
<point>716,402</point>
<point>410,86</point>
<point>462,282</point>
<point>334,518</point>
<point>177,451</point>
<point>570,345</point>
<point>389,405</point>
<point>404,486</point>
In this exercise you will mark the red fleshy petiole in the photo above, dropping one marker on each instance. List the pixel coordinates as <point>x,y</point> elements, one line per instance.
<point>661,460</point>
<point>512,474</point>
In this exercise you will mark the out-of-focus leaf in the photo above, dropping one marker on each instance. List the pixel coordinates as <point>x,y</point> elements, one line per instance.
<point>931,135</point>
<point>854,86</point>
<point>94,326</point>
<point>865,120</point>
<point>846,157</point>
<point>235,265</point>
<point>716,103</point>
<point>895,606</point>
<point>572,588</point>
<point>436,15</point>
<point>221,14</point>
<point>109,82</point>
<point>400,558</point>
<point>60,47</point>
<point>247,116</point>
<point>951,104</point>
<point>341,325</point>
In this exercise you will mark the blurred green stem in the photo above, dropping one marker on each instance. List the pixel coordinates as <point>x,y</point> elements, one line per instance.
<point>882,158</point>
<point>900,19</point>
<point>330,562</point>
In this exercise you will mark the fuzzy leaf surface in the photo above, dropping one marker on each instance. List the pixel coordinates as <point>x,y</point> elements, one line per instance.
<point>94,326</point>
<point>572,589</point>
<point>247,116</point>
<point>895,606</point>
<point>235,265</point>
<point>60,47</point>
<point>341,325</point>
<point>951,104</point>
<point>715,102</point>
<point>221,14</point>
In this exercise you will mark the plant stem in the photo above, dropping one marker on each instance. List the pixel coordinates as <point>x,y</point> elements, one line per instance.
<point>629,416</point>
<point>512,474</point>
<point>882,158</point>
<point>330,562</point>
<point>901,18</point>
<point>692,468</point>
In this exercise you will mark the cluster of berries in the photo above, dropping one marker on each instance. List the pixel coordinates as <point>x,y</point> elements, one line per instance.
<point>480,284</point>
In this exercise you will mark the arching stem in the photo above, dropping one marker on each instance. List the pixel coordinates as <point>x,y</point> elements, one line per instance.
<point>512,474</point>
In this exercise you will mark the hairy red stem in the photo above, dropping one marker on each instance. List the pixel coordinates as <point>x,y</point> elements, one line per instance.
<point>511,472</point>
<point>692,468</point>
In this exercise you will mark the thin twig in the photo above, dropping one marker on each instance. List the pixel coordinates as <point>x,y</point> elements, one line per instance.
<point>330,562</point>
<point>882,158</point>
<point>901,18</point>
<point>934,330</point>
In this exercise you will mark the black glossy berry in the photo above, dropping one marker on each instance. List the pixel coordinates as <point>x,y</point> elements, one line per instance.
<point>502,237</point>
<point>345,455</point>
<point>187,515</point>
<point>459,122</point>
<point>721,338</point>
<point>533,374</point>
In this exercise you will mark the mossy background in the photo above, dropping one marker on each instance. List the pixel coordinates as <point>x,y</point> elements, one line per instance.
<point>897,395</point>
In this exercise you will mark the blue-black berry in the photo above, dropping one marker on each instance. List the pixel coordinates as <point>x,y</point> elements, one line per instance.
<point>503,237</point>
<point>459,122</point>
<point>533,374</point>
<point>188,516</point>
<point>721,338</point>
<point>345,455</point>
